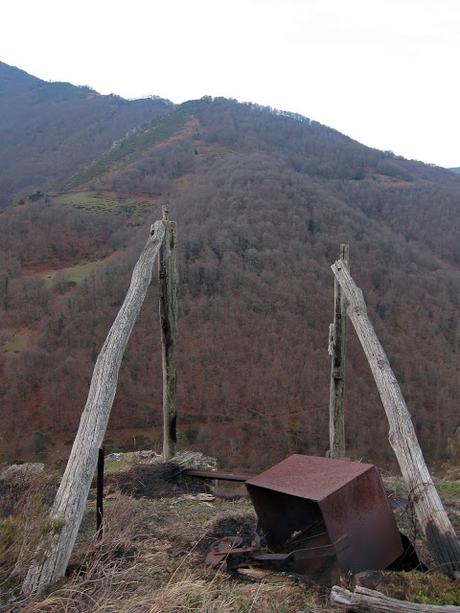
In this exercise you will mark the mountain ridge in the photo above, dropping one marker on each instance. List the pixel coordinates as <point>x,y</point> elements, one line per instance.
<point>63,92</point>
<point>61,126</point>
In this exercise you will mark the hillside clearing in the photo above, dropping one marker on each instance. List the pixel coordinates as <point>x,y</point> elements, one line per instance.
<point>16,341</point>
<point>97,203</point>
<point>131,147</point>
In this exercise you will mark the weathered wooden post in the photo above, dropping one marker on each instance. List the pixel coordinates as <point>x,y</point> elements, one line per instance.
<point>56,545</point>
<point>435,523</point>
<point>337,351</point>
<point>168,285</point>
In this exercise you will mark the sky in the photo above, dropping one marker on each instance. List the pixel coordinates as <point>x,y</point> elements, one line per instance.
<point>385,72</point>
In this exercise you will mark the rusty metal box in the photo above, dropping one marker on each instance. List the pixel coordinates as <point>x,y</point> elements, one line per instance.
<point>336,508</point>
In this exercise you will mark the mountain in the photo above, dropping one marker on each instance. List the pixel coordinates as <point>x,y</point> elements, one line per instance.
<point>456,170</point>
<point>262,199</point>
<point>47,130</point>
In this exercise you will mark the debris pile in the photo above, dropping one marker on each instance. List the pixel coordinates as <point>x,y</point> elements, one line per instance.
<point>317,517</point>
<point>150,477</point>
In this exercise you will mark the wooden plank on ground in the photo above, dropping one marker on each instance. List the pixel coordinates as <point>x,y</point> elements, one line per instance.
<point>363,600</point>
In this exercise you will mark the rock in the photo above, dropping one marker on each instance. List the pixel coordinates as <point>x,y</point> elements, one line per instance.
<point>194,460</point>
<point>136,457</point>
<point>184,459</point>
<point>22,470</point>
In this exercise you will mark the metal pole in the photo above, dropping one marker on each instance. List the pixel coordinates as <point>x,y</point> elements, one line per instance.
<point>100,492</point>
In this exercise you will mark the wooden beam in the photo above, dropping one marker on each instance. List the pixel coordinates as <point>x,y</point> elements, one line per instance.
<point>337,351</point>
<point>435,524</point>
<point>221,475</point>
<point>54,550</point>
<point>168,286</point>
<point>363,600</point>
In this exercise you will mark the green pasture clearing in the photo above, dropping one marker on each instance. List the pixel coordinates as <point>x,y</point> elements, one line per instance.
<point>100,203</point>
<point>72,274</point>
<point>132,147</point>
<point>15,341</point>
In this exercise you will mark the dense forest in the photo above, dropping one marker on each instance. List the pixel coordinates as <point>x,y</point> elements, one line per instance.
<point>262,200</point>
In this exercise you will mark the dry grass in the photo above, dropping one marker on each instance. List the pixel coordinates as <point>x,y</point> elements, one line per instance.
<point>101,569</point>
<point>151,560</point>
<point>192,593</point>
<point>24,504</point>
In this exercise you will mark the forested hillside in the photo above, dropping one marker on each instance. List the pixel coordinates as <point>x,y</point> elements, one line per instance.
<point>47,130</point>
<point>262,200</point>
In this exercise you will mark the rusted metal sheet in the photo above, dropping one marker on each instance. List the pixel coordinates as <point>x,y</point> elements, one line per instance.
<point>307,502</point>
<point>228,553</point>
<point>309,476</point>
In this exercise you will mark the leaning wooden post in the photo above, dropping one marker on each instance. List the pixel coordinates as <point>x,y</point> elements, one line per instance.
<point>435,524</point>
<point>167,276</point>
<point>56,545</point>
<point>337,351</point>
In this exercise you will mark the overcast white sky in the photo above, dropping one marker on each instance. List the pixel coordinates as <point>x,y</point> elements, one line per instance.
<point>385,72</point>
